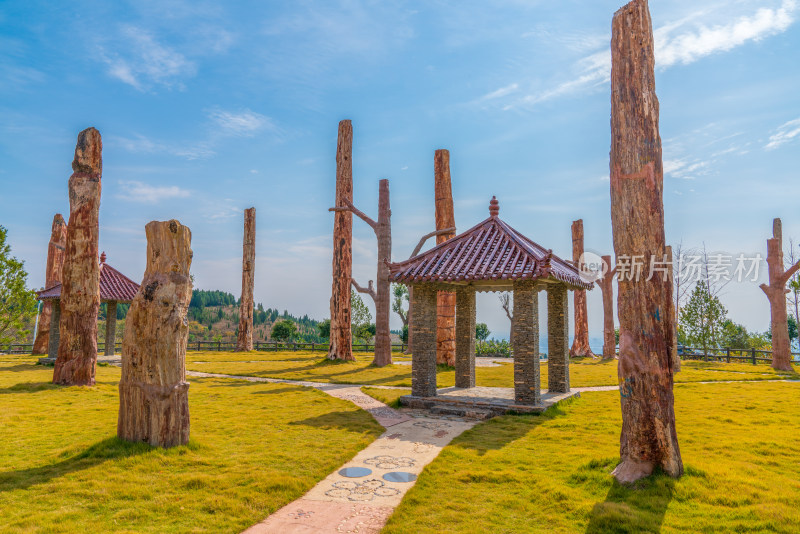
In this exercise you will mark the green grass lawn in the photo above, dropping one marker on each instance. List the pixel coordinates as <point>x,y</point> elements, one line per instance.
<point>314,367</point>
<point>253,449</point>
<point>550,473</point>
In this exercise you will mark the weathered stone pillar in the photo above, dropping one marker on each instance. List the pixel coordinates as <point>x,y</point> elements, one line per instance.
<point>557,339</point>
<point>527,377</point>
<point>445,218</point>
<point>580,344</point>
<point>341,339</point>
<point>244,341</point>
<point>465,337</point>
<point>80,290</point>
<point>423,359</point>
<point>111,327</point>
<point>55,319</point>
<point>55,263</point>
<point>153,392</point>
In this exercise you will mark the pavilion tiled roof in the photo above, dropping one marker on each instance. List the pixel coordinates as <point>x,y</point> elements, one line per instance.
<point>490,251</point>
<point>113,286</point>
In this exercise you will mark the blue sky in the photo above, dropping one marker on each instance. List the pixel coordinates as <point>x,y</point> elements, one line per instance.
<point>206,109</point>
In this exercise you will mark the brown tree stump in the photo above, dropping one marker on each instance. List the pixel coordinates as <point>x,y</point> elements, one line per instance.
<point>580,344</point>
<point>446,300</point>
<point>383,304</point>
<point>80,290</point>
<point>55,264</point>
<point>153,392</point>
<point>645,305</point>
<point>776,294</point>
<point>341,339</point>
<point>607,291</point>
<point>244,340</point>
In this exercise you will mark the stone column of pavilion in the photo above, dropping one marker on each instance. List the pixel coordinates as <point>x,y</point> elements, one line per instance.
<point>244,341</point>
<point>423,359</point>
<point>465,337</point>
<point>111,318</point>
<point>527,375</point>
<point>55,264</point>
<point>80,295</point>
<point>557,339</point>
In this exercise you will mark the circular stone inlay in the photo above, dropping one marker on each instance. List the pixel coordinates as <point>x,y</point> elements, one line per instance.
<point>355,472</point>
<point>400,476</point>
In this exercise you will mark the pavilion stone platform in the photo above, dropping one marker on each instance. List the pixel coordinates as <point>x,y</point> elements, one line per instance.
<point>481,402</point>
<point>491,256</point>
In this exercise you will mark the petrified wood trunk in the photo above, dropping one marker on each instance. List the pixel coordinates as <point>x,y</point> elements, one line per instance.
<point>607,291</point>
<point>80,291</point>
<point>446,300</point>
<point>244,340</point>
<point>55,263</point>
<point>648,436</point>
<point>580,345</point>
<point>776,293</point>
<point>153,392</point>
<point>341,340</point>
<point>383,304</point>
<point>676,359</point>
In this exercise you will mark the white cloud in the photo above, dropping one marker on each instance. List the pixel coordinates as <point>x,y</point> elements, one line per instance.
<point>245,123</point>
<point>681,42</point>
<point>783,134</point>
<point>503,91</point>
<point>141,61</point>
<point>689,46</point>
<point>144,145</point>
<point>149,194</point>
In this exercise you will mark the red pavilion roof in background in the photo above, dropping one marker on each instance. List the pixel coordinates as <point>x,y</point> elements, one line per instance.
<point>113,285</point>
<point>490,251</point>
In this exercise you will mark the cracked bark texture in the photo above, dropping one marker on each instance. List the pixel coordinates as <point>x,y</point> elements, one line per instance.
<point>244,340</point>
<point>645,308</point>
<point>341,340</point>
<point>580,344</point>
<point>55,264</point>
<point>153,391</point>
<point>776,294</point>
<point>446,300</point>
<point>80,290</point>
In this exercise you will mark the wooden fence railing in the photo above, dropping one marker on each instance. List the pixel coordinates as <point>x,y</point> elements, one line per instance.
<point>727,354</point>
<point>273,346</point>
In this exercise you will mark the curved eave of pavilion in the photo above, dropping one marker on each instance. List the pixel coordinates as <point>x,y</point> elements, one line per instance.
<point>490,256</point>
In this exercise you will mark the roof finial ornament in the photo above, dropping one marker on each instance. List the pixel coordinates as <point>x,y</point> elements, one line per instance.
<point>103,257</point>
<point>494,207</point>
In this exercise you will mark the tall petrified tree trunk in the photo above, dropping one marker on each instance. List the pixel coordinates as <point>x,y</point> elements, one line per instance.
<point>55,263</point>
<point>644,305</point>
<point>244,340</point>
<point>580,344</point>
<point>446,300</point>
<point>80,290</point>
<point>676,359</point>
<point>607,291</point>
<point>380,296</point>
<point>383,304</point>
<point>341,341</point>
<point>153,392</point>
<point>776,293</point>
